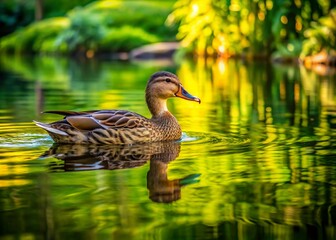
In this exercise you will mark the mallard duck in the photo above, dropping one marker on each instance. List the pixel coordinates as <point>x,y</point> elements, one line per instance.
<point>124,127</point>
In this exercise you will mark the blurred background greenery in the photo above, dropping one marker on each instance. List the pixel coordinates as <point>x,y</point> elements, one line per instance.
<point>256,28</point>
<point>282,30</point>
<point>111,26</point>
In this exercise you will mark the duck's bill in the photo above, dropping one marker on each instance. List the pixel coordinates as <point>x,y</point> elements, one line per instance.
<point>182,93</point>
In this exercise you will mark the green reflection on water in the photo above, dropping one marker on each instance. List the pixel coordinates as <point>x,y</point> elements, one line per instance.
<point>257,159</point>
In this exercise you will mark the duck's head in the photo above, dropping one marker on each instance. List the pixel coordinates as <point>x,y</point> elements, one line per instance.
<point>161,86</point>
<point>166,85</point>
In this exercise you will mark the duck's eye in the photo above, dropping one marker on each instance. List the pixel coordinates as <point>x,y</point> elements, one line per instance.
<point>168,80</point>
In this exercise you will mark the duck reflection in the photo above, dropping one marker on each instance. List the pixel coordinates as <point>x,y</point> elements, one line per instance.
<point>161,189</point>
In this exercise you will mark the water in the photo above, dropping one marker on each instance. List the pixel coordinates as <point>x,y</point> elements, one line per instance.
<point>257,159</point>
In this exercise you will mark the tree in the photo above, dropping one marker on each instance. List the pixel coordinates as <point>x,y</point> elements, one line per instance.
<point>38,10</point>
<point>244,27</point>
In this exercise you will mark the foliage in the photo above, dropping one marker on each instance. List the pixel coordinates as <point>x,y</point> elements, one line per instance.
<point>84,31</point>
<point>148,15</point>
<point>321,35</point>
<point>14,15</point>
<point>258,28</point>
<point>290,50</point>
<point>125,39</point>
<point>100,26</point>
<point>37,37</point>
<point>61,7</point>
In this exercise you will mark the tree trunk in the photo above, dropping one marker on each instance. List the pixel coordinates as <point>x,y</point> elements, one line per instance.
<point>38,10</point>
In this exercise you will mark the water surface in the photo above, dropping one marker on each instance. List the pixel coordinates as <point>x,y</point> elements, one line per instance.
<point>256,161</point>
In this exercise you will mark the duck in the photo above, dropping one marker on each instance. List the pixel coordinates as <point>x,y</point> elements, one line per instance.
<point>121,126</point>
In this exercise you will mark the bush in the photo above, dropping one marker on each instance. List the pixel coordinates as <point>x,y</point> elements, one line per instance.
<point>321,35</point>
<point>33,37</point>
<point>125,39</point>
<point>83,33</point>
<point>148,15</point>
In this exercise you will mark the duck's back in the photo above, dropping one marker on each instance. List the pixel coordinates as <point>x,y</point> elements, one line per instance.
<point>111,127</point>
<point>99,127</point>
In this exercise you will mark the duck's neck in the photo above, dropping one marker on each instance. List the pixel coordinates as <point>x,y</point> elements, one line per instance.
<point>157,107</point>
<point>163,120</point>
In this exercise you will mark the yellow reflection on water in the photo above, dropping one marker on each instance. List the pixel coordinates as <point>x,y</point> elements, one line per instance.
<point>262,141</point>
<point>14,163</point>
<point>14,182</point>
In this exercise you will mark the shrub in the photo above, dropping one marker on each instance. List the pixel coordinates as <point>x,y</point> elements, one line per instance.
<point>32,38</point>
<point>126,38</point>
<point>321,35</point>
<point>83,33</point>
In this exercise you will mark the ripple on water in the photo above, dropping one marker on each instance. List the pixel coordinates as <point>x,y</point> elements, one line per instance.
<point>218,142</point>
<point>201,138</point>
<point>22,135</point>
<point>24,140</point>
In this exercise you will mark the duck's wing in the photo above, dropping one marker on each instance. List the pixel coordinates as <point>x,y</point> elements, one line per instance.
<point>90,120</point>
<point>71,113</point>
<point>120,119</point>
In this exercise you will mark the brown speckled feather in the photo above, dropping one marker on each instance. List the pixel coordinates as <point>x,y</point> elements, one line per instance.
<point>103,127</point>
<point>107,119</point>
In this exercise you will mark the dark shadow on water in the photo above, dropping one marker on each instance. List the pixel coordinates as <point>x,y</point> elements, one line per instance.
<point>95,157</point>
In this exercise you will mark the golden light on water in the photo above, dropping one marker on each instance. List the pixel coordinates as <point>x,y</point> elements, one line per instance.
<point>221,65</point>
<point>10,167</point>
<point>14,182</point>
<point>262,140</point>
<point>250,130</point>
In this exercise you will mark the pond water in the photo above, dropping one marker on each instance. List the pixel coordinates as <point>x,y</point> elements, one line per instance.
<point>257,159</point>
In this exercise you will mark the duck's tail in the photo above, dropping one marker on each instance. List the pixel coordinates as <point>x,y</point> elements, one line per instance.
<point>50,129</point>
